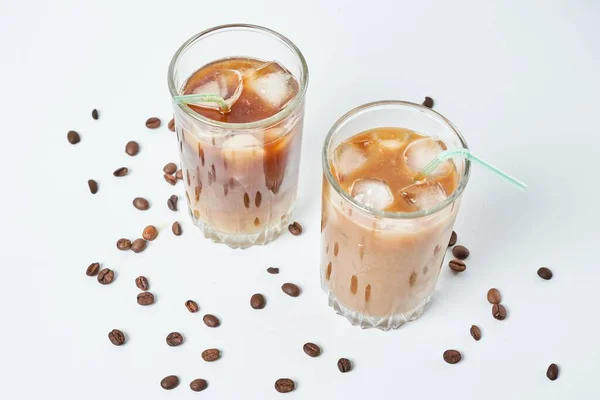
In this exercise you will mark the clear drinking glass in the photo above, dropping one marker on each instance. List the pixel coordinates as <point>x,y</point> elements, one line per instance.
<point>380,268</point>
<point>240,193</point>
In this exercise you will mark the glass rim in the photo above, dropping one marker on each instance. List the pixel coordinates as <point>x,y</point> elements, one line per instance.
<point>388,214</point>
<point>272,120</point>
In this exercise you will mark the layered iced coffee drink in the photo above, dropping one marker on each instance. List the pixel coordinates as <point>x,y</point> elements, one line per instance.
<point>240,163</point>
<point>385,226</point>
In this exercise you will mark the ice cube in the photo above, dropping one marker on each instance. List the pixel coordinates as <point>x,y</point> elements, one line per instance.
<point>390,144</point>
<point>372,193</point>
<point>420,152</point>
<point>272,83</point>
<point>424,195</point>
<point>241,148</point>
<point>347,158</point>
<point>226,83</point>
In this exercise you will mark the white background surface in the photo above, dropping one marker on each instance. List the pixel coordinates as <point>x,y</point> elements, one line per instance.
<point>519,78</point>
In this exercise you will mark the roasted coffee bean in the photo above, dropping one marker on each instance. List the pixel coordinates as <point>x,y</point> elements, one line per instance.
<point>192,306</point>
<point>141,204</point>
<point>93,185</point>
<point>132,148</point>
<point>452,356</point>
<point>211,321</point>
<point>284,385</point>
<point>544,273</point>
<point>290,289</point>
<point>344,365</point>
<point>123,244</point>
<point>179,175</point>
<point>552,372</point>
<point>73,137</point>
<point>172,203</point>
<point>142,283</point>
<point>257,301</point>
<point>176,228</point>
<point>138,245</point>
<point>493,296</point>
<point>475,332</point>
<point>170,168</point>
<point>169,382</point>
<point>116,337</point>
<point>106,276</point>
<point>95,113</point>
<point>174,339</point>
<point>295,228</point>
<point>460,252</point>
<point>198,385</point>
<point>152,123</point>
<point>428,102</point>
<point>273,270</point>
<point>499,312</point>
<point>93,269</point>
<point>211,354</point>
<point>457,265</point>
<point>145,298</point>
<point>119,172</point>
<point>150,232</point>
<point>311,349</point>
<point>170,179</point>
<point>172,125</point>
<point>453,239</point>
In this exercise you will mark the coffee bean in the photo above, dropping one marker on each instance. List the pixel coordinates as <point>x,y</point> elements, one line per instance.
<point>138,245</point>
<point>211,321</point>
<point>169,382</point>
<point>179,175</point>
<point>145,298</point>
<point>106,276</point>
<point>172,203</point>
<point>123,244</point>
<point>273,270</point>
<point>457,265</point>
<point>257,301</point>
<point>552,372</point>
<point>290,289</point>
<point>493,296</point>
<point>295,228</point>
<point>174,339</point>
<point>172,125</point>
<point>93,185</point>
<point>428,102</point>
<point>142,283</point>
<point>152,123</point>
<point>170,168</point>
<point>192,306</point>
<point>93,269</point>
<point>284,385</point>
<point>132,148</point>
<point>311,349</point>
<point>73,137</point>
<point>170,179</point>
<point>460,252</point>
<point>141,204</point>
<point>544,273</point>
<point>499,312</point>
<point>344,365</point>
<point>452,356</point>
<point>95,113</point>
<point>150,233</point>
<point>116,337</point>
<point>211,355</point>
<point>475,332</point>
<point>176,228</point>
<point>120,172</point>
<point>453,239</point>
<point>198,385</point>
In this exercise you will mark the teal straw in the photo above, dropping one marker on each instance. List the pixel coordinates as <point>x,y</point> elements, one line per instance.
<point>202,98</point>
<point>433,164</point>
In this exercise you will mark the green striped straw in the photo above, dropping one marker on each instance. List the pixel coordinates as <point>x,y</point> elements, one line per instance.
<point>203,98</point>
<point>465,153</point>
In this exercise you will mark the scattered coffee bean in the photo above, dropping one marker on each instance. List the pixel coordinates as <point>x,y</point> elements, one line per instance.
<point>174,339</point>
<point>138,245</point>
<point>493,296</point>
<point>93,185</point>
<point>170,168</point>
<point>116,337</point>
<point>257,301</point>
<point>311,349</point>
<point>132,148</point>
<point>141,204</point>
<point>460,252</point>
<point>453,239</point>
<point>170,179</point>
<point>106,276</point>
<point>145,298</point>
<point>95,113</point>
<point>457,265</point>
<point>552,372</point>
<point>192,306</point>
<point>172,125</point>
<point>284,385</point>
<point>169,382</point>
<point>544,273</point>
<point>119,172</point>
<point>295,228</point>
<point>452,356</point>
<point>152,123</point>
<point>499,312</point>
<point>273,270</point>
<point>179,175</point>
<point>344,365</point>
<point>475,332</point>
<point>142,283</point>
<point>211,355</point>
<point>93,269</point>
<point>211,321</point>
<point>172,203</point>
<point>123,244</point>
<point>428,102</point>
<point>73,137</point>
<point>150,232</point>
<point>290,289</point>
<point>198,385</point>
<point>176,228</point>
